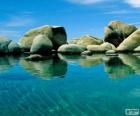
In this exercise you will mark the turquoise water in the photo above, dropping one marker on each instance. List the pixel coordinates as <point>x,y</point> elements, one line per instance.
<point>96,85</point>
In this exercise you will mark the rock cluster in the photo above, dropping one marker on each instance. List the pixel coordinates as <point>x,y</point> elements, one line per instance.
<point>46,40</point>
<point>8,46</point>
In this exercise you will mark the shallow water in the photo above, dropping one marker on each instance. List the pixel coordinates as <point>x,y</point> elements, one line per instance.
<point>96,85</point>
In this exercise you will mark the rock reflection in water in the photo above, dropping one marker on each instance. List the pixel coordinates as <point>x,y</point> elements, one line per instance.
<point>93,60</point>
<point>47,69</point>
<point>6,62</point>
<point>116,68</point>
<point>70,58</point>
<point>132,61</point>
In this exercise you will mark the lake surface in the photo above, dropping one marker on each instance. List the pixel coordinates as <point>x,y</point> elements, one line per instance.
<point>96,85</point>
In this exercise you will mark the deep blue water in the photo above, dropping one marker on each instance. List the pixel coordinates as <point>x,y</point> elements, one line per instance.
<point>96,85</point>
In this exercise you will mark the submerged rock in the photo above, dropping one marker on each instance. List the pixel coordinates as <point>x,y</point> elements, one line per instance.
<point>56,34</point>
<point>117,31</point>
<point>130,43</point>
<point>71,49</point>
<point>41,45</point>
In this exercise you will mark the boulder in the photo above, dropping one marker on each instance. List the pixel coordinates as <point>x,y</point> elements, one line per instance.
<point>14,48</point>
<point>89,40</point>
<point>101,48</point>
<point>137,49</point>
<point>71,49</point>
<point>41,45</point>
<point>4,42</point>
<point>130,43</point>
<point>117,31</point>
<point>56,34</point>
<point>111,53</point>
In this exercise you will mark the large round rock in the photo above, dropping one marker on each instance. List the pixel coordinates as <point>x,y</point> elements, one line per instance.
<point>41,45</point>
<point>71,49</point>
<point>117,31</point>
<point>130,43</point>
<point>56,34</point>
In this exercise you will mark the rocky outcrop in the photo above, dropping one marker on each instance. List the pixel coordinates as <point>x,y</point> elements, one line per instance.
<point>71,49</point>
<point>89,40</point>
<point>41,45</point>
<point>56,34</point>
<point>130,43</point>
<point>8,46</point>
<point>101,48</point>
<point>86,40</point>
<point>14,48</point>
<point>117,31</point>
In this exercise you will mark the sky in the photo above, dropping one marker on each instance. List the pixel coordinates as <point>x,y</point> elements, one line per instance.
<point>79,17</point>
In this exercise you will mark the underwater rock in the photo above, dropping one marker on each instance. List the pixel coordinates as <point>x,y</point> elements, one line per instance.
<point>117,31</point>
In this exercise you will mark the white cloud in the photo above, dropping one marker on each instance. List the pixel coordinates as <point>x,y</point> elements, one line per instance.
<point>85,2</point>
<point>134,3</point>
<point>18,21</point>
<point>118,12</point>
<point>14,25</point>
